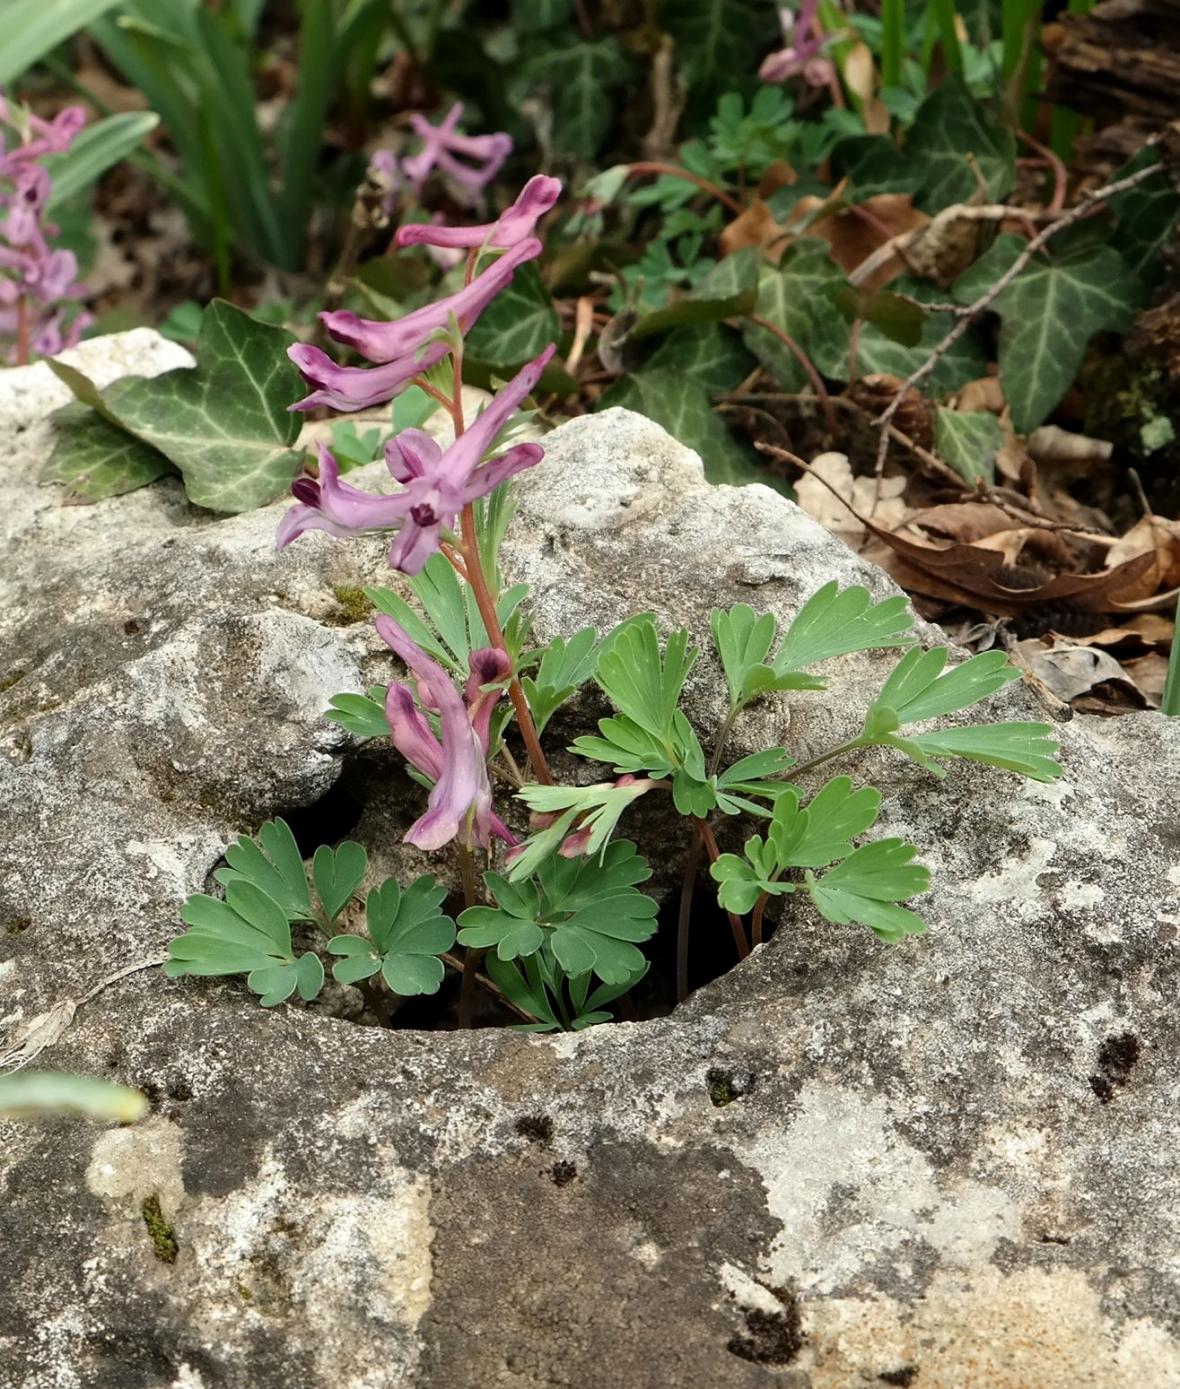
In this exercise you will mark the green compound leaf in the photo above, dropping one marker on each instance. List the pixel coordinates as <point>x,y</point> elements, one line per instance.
<point>595,810</point>
<point>337,873</point>
<point>565,666</point>
<point>743,639</point>
<point>836,622</point>
<point>917,689</point>
<point>361,715</point>
<point>678,402</point>
<point>868,884</point>
<point>273,863</point>
<point>969,440</point>
<point>93,459</point>
<point>585,910</point>
<point>627,747</point>
<point>740,883</point>
<point>822,833</point>
<point>1026,748</point>
<point>952,129</point>
<point>517,324</point>
<point>407,933</point>
<point>249,933</point>
<point>1047,316</point>
<point>638,682</point>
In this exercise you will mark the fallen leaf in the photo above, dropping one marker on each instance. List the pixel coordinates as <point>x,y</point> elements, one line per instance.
<point>986,393</point>
<point>1052,444</point>
<point>1158,538</point>
<point>1072,670</point>
<point>756,226</point>
<point>833,505</point>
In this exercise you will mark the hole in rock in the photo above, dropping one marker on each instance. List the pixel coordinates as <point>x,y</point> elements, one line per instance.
<point>326,821</point>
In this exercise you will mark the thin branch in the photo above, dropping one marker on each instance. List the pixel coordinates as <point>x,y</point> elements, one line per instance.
<point>652,166</point>
<point>805,362</point>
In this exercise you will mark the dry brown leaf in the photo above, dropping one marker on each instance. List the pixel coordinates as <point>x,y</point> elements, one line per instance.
<point>1147,629</point>
<point>962,521</point>
<point>944,249</point>
<point>986,393</point>
<point>1149,673</point>
<point>860,77</point>
<point>1013,542</point>
<point>1159,538</point>
<point>756,226</point>
<point>778,175</point>
<point>1071,671</point>
<point>1052,444</point>
<point>834,506</point>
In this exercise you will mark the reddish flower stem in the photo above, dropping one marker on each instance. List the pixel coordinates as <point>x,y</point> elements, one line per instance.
<point>483,596</point>
<point>22,331</point>
<point>735,921</point>
<point>649,166</point>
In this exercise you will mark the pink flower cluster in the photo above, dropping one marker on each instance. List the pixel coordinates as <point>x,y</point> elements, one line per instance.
<point>437,486</point>
<point>804,55</point>
<point>36,281</point>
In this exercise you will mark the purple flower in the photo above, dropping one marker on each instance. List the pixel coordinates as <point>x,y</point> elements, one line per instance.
<point>390,342</point>
<point>356,388</point>
<point>460,804</point>
<point>512,226</point>
<point>444,148</point>
<point>437,484</point>
<point>805,55</point>
<point>34,278</point>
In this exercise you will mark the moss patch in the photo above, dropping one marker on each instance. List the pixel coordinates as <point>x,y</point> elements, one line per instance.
<point>355,607</point>
<point>165,1245</point>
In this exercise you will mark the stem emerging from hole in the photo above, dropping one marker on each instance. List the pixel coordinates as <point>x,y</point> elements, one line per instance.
<point>735,921</point>
<point>471,957</point>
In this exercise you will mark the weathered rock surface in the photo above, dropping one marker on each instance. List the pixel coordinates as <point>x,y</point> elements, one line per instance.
<point>945,1163</point>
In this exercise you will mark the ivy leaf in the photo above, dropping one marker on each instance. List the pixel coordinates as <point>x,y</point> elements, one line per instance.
<point>917,689</point>
<point>1026,748</point>
<point>517,324</point>
<point>694,311</point>
<point>878,352</point>
<point>224,424</point>
<point>836,622</point>
<point>274,865</point>
<point>715,38</point>
<point>638,681</point>
<point>337,873</point>
<point>1047,316</point>
<point>580,78</point>
<point>407,933</point>
<point>949,126</point>
<point>711,355</point>
<point>93,459</point>
<point>361,715</point>
<point>797,297</point>
<point>868,884</point>
<point>565,666</point>
<point>873,164</point>
<point>681,405</point>
<point>531,15</point>
<point>1146,215</point>
<point>249,933</point>
<point>969,440</point>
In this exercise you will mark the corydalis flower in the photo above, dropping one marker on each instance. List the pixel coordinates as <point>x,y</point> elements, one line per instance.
<point>460,805</point>
<point>437,483</point>
<point>34,278</point>
<point>804,55</point>
<point>514,225</point>
<point>445,148</point>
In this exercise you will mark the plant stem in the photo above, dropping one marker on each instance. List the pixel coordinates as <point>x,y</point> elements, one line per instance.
<point>483,982</point>
<point>817,382</point>
<point>484,601</point>
<point>471,957</point>
<point>22,331</point>
<point>684,917</point>
<point>850,746</point>
<point>756,919</point>
<point>735,921</point>
<point>651,166</point>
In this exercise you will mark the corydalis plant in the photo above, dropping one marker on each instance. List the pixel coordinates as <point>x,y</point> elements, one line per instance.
<point>560,919</point>
<point>37,281</point>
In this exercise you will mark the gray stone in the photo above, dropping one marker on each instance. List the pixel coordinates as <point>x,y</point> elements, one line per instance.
<point>945,1163</point>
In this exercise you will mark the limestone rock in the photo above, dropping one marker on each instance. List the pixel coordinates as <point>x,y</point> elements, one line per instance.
<point>944,1163</point>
